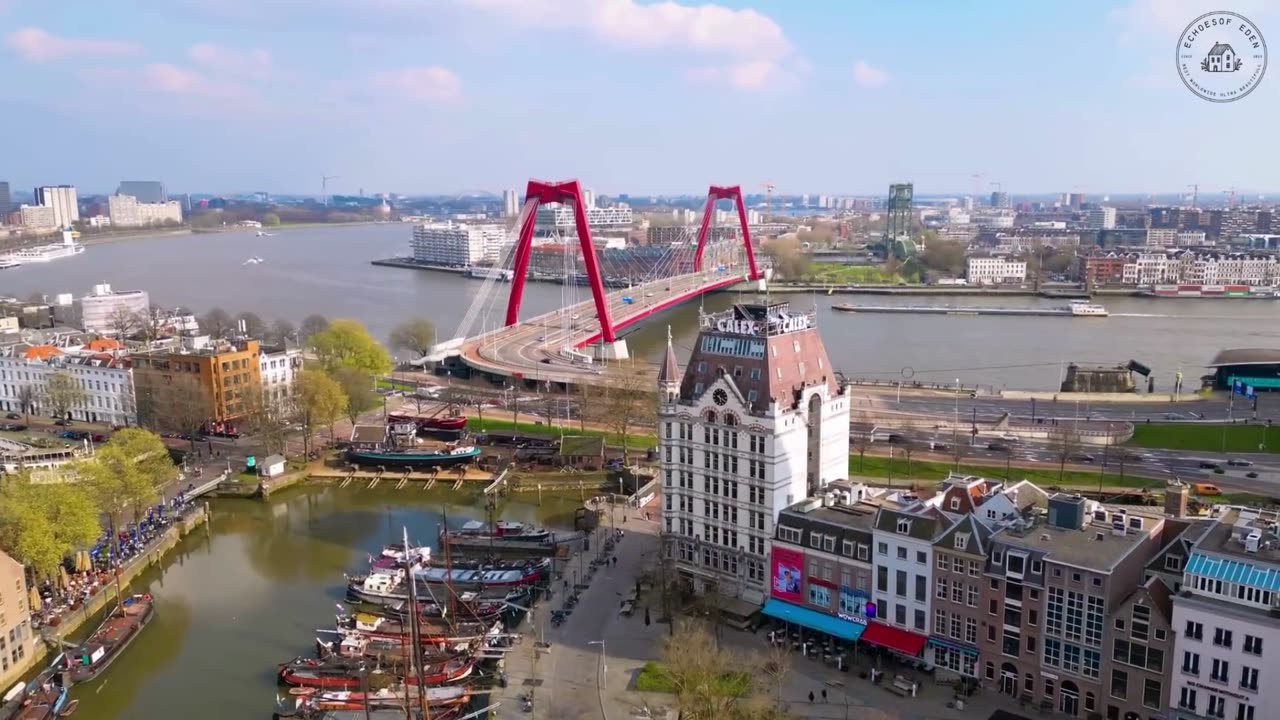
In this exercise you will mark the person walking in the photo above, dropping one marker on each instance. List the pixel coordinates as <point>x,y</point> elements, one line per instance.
<point>810,697</point>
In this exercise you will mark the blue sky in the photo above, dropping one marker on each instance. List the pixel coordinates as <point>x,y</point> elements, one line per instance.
<point>816,96</point>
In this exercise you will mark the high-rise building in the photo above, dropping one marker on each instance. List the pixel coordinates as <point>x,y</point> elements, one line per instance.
<point>588,198</point>
<point>62,198</point>
<point>1075,200</point>
<point>804,201</point>
<point>757,421</point>
<point>457,245</point>
<point>899,216</point>
<point>103,309</point>
<point>966,203</point>
<point>510,204</point>
<point>128,211</point>
<point>1102,218</point>
<point>1000,199</point>
<point>6,200</point>
<point>147,191</point>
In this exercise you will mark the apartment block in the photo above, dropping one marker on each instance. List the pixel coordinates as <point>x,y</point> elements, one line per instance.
<point>17,638</point>
<point>209,385</point>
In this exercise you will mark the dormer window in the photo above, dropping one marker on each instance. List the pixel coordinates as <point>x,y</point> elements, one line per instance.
<point>955,503</point>
<point>1173,562</point>
<point>904,526</point>
<point>962,541</point>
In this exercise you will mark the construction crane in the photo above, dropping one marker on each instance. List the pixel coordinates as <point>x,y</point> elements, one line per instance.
<point>1231,196</point>
<point>977,185</point>
<point>1195,194</point>
<point>768,197</point>
<point>324,187</point>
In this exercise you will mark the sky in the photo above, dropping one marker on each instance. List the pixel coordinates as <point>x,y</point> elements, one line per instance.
<point>628,96</point>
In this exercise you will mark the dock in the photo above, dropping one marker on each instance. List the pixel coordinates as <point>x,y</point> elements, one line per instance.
<point>958,310</point>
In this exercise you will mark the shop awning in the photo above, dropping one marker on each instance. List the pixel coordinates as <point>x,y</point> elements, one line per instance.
<point>900,641</point>
<point>813,619</point>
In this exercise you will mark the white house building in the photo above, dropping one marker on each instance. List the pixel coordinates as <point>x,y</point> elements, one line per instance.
<point>106,383</point>
<point>995,271</point>
<point>1226,621</point>
<point>903,558</point>
<point>458,245</point>
<point>757,422</point>
<point>279,368</point>
<point>100,309</point>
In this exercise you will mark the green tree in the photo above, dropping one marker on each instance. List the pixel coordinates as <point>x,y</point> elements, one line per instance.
<point>346,343</point>
<point>313,325</point>
<point>217,323</point>
<point>271,220</point>
<point>63,393</point>
<point>944,256</point>
<point>320,402</point>
<point>788,258</point>
<point>40,524</point>
<point>127,473</point>
<point>358,387</point>
<point>416,335</point>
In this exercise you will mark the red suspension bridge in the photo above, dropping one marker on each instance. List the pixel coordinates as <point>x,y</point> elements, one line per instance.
<point>626,285</point>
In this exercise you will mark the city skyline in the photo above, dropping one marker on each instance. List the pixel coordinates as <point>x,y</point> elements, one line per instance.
<point>433,98</point>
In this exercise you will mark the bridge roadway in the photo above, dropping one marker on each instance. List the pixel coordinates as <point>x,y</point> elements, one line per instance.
<point>534,349</point>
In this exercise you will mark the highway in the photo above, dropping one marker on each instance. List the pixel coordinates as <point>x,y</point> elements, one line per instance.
<point>535,349</point>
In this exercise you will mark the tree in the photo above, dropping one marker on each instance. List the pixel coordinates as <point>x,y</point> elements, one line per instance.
<point>139,464</point>
<point>184,406</point>
<point>280,332</point>
<point>346,343</point>
<point>907,449</point>
<point>254,326</point>
<point>860,442</point>
<point>944,256</point>
<point>63,393</point>
<point>151,324</point>
<point>416,335</point>
<point>217,323</point>
<point>313,325</point>
<point>123,322</point>
<point>269,419</point>
<point>28,399</point>
<point>776,666</point>
<point>40,524</point>
<point>788,257</point>
<point>1065,444</point>
<point>271,220</point>
<point>358,387</point>
<point>628,401</point>
<point>703,675</point>
<point>320,401</point>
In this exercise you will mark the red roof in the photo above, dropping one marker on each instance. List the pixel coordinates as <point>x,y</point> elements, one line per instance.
<point>895,639</point>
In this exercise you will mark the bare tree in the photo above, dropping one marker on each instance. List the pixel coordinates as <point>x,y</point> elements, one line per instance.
<point>182,406</point>
<point>628,402</point>
<point>269,418</point>
<point>860,443</point>
<point>217,323</point>
<point>28,400</point>
<point>776,666</point>
<point>1065,444</point>
<point>151,324</point>
<point>123,322</point>
<point>254,326</point>
<point>908,448</point>
<point>281,331</point>
<point>313,324</point>
<point>63,393</point>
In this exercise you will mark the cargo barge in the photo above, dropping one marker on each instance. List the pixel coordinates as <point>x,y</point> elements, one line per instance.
<point>1244,292</point>
<point>1075,309</point>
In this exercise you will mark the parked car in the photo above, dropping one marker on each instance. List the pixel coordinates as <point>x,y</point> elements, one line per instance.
<point>896,438</point>
<point>1239,462</point>
<point>13,416</point>
<point>1080,457</point>
<point>998,447</point>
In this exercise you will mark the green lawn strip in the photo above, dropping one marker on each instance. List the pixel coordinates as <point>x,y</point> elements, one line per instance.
<point>878,467</point>
<point>390,384</point>
<point>844,274</point>
<point>636,441</point>
<point>1206,438</point>
<point>653,677</point>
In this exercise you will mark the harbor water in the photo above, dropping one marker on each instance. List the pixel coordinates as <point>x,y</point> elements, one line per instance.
<point>327,270</point>
<point>233,602</point>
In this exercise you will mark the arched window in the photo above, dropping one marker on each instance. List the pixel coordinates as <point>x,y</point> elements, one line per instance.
<point>711,417</point>
<point>730,419</point>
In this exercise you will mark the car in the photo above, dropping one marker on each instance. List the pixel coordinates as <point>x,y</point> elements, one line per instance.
<point>896,438</point>
<point>935,445</point>
<point>998,447</point>
<point>1239,462</point>
<point>62,422</point>
<point>98,437</point>
<point>1251,474</point>
<point>1130,457</point>
<point>1209,465</point>
<point>1219,471</point>
<point>1010,438</point>
<point>1080,457</point>
<point>13,416</point>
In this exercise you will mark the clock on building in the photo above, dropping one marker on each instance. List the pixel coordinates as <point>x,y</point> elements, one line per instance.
<point>720,397</point>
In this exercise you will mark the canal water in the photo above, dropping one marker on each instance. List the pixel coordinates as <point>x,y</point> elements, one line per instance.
<point>326,270</point>
<point>234,601</point>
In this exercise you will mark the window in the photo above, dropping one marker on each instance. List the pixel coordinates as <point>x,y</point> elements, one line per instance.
<point>997,557</point>
<point>962,541</point>
<point>944,562</point>
<point>1194,631</point>
<point>922,590</point>
<point>1173,562</point>
<point>864,551</point>
<point>940,589</point>
<point>1190,663</point>
<point>972,596</point>
<point>1220,669</point>
<point>1253,644</point>
<point>1160,634</point>
<point>1244,712</point>
<point>902,553</point>
<point>975,569</point>
<point>920,620</point>
<point>1248,678</point>
<point>921,557</point>
<point>1187,698</point>
<point>900,614</point>
<point>1052,652</point>
<point>882,578</point>
<point>1031,645</point>
<point>900,583</point>
<point>1119,684</point>
<point>991,633</point>
<point>939,622</point>
<point>829,543</point>
<point>971,631</point>
<point>1151,693</point>
<point>882,548</point>
<point>1015,564</point>
<point>1141,623</point>
<point>1053,612</point>
<point>820,596</point>
<point>1217,706</point>
<point>1037,567</point>
<point>904,526</point>
<point>1222,637</point>
<point>846,548</point>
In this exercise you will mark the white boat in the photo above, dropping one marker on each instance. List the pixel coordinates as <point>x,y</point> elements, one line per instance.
<point>1081,308</point>
<point>46,253</point>
<point>8,262</point>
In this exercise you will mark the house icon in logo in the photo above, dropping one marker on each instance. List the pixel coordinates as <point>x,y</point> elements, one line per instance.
<point>1221,58</point>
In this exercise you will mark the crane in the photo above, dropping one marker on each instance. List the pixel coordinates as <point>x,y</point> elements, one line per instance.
<point>324,187</point>
<point>1195,194</point>
<point>1231,196</point>
<point>768,196</point>
<point>977,185</point>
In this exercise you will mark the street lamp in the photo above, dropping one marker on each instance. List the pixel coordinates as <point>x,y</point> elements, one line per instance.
<point>957,416</point>
<point>601,676</point>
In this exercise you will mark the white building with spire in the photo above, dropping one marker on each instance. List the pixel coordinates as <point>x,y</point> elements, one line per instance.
<point>757,421</point>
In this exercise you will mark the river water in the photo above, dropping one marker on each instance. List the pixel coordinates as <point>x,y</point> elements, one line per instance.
<point>250,592</point>
<point>326,270</point>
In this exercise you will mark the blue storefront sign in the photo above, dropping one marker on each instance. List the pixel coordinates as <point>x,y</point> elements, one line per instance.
<point>854,605</point>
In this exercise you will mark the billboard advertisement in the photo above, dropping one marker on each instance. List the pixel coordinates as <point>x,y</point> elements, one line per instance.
<point>785,574</point>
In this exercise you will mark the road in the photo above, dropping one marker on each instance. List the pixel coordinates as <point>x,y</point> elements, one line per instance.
<point>535,347</point>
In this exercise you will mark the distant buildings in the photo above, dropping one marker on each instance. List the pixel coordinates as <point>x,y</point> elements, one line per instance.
<point>1172,267</point>
<point>457,244</point>
<point>1075,200</point>
<point>62,199</point>
<point>510,204</point>
<point>672,234</point>
<point>1000,200</point>
<point>560,217</point>
<point>6,200</point>
<point>103,309</point>
<point>104,378</point>
<point>128,211</point>
<point>37,216</point>
<point>995,271</point>
<point>1102,218</point>
<point>146,191</point>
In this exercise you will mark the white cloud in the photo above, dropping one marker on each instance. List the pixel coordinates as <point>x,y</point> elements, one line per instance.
<point>36,45</point>
<point>234,61</point>
<point>752,76</point>
<point>421,84</point>
<point>868,76</point>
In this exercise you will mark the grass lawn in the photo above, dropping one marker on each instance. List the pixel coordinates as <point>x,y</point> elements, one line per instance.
<point>1206,438</point>
<point>653,677</point>
<point>842,274</point>
<point>388,384</point>
<point>637,441</point>
<point>878,466</point>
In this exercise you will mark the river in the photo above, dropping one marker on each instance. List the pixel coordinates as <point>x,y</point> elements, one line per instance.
<point>251,591</point>
<point>326,270</point>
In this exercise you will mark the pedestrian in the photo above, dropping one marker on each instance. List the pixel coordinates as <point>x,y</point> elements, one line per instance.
<point>811,697</point>
<point>824,694</point>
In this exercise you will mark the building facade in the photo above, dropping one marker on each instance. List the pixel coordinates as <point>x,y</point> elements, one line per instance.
<point>278,368</point>
<point>1137,671</point>
<point>458,245</point>
<point>560,217</point>
<point>146,191</point>
<point>105,382</point>
<point>128,211</point>
<point>1102,218</point>
<point>63,200</point>
<point>17,639</point>
<point>510,204</point>
<point>206,386</point>
<point>1227,620</point>
<point>995,271</point>
<point>102,310</point>
<point>37,216</point>
<point>959,558</point>
<point>756,422</point>
<point>903,557</point>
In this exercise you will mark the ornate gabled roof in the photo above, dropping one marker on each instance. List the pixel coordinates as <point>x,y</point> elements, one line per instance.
<point>669,372</point>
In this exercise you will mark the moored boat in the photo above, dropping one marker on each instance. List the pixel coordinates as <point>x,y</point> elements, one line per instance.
<point>414,458</point>
<point>426,424</point>
<point>39,699</point>
<point>390,587</point>
<point>122,625</point>
<point>503,530</point>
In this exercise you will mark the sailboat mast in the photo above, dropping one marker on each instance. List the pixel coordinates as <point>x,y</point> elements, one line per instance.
<point>415,637</point>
